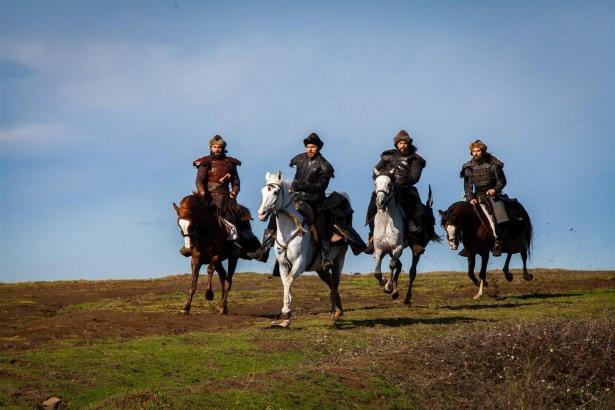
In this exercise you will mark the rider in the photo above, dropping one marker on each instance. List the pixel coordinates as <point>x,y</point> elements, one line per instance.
<point>312,176</point>
<point>483,181</point>
<point>215,173</point>
<point>404,166</point>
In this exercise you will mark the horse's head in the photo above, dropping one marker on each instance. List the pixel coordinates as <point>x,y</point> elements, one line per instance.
<point>190,211</point>
<point>449,224</point>
<point>272,195</point>
<point>384,190</point>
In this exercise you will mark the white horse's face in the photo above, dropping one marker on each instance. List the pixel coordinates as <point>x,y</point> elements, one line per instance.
<point>185,227</point>
<point>270,195</point>
<point>383,191</point>
<point>451,235</point>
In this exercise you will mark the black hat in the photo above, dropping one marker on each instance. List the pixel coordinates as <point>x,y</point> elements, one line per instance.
<point>313,138</point>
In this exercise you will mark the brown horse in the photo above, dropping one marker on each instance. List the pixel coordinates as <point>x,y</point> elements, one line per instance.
<point>467,223</point>
<point>205,242</point>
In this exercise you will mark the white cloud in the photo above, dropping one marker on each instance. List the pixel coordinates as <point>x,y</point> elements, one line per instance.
<point>30,135</point>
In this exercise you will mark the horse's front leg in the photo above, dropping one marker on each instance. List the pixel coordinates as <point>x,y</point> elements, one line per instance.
<point>286,274</point>
<point>526,274</point>
<point>471,265</point>
<point>412,276</point>
<point>221,307</point>
<point>507,274</point>
<point>378,255</point>
<point>196,267</point>
<point>482,275</point>
<point>228,283</point>
<point>395,265</point>
<point>211,268</point>
<point>336,300</point>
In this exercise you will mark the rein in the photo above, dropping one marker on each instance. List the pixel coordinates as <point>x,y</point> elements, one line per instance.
<point>482,223</point>
<point>300,231</point>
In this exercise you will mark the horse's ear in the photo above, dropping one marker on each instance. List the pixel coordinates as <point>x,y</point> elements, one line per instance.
<point>267,175</point>
<point>176,207</point>
<point>429,198</point>
<point>441,212</point>
<point>376,172</point>
<point>279,176</point>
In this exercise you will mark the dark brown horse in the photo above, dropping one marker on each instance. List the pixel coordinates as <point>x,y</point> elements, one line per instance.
<point>205,242</point>
<point>467,223</point>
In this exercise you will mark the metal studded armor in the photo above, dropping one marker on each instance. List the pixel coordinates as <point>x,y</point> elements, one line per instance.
<point>214,175</point>
<point>481,175</point>
<point>405,169</point>
<point>311,178</point>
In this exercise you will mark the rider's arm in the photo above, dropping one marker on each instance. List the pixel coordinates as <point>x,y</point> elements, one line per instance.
<point>201,179</point>
<point>501,178</point>
<point>235,182</point>
<point>466,174</point>
<point>416,168</point>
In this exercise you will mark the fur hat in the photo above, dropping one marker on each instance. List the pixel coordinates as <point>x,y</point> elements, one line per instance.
<point>313,138</point>
<point>217,140</point>
<point>402,136</point>
<point>478,144</point>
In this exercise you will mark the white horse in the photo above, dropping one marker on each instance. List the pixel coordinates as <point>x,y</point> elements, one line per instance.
<point>390,236</point>
<point>296,252</point>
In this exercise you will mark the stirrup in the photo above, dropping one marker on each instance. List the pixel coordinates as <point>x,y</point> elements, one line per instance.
<point>369,249</point>
<point>497,248</point>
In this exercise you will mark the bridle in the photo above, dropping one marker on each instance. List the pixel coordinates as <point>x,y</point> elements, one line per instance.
<point>457,238</point>
<point>300,231</point>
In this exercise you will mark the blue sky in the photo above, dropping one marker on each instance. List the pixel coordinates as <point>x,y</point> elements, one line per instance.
<point>105,104</point>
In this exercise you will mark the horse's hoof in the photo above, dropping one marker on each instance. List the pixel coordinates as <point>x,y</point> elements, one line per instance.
<point>508,276</point>
<point>335,316</point>
<point>387,290</point>
<point>185,312</point>
<point>528,277</point>
<point>209,295</point>
<point>476,297</point>
<point>485,284</point>
<point>395,295</point>
<point>407,302</point>
<point>223,310</point>
<point>381,282</point>
<point>185,251</point>
<point>285,324</point>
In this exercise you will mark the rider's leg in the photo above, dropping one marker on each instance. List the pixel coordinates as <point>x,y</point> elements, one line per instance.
<point>497,247</point>
<point>262,254</point>
<point>369,219</point>
<point>324,230</point>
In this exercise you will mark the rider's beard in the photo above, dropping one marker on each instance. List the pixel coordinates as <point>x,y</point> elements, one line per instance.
<point>403,151</point>
<point>217,155</point>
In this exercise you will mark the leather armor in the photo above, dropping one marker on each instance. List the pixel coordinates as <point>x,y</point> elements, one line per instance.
<point>214,175</point>
<point>482,175</point>
<point>312,177</point>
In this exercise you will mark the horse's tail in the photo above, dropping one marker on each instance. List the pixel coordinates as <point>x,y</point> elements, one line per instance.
<point>528,238</point>
<point>432,236</point>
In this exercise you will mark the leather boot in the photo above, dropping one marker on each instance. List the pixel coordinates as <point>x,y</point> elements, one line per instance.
<point>324,253</point>
<point>262,253</point>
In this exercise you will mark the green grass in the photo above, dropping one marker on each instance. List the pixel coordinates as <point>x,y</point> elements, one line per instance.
<point>356,365</point>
